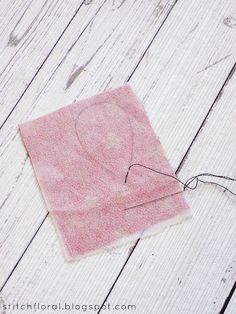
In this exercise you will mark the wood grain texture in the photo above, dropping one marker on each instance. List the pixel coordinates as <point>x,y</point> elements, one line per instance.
<point>178,80</point>
<point>116,50</point>
<point>231,308</point>
<point>29,30</point>
<point>191,268</point>
<point>179,93</point>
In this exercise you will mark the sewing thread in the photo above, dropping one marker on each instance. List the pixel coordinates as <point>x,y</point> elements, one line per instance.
<point>188,184</point>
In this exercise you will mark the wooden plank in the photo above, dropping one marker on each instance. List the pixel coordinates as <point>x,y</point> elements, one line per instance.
<point>232,306</point>
<point>29,30</point>
<point>230,303</point>
<point>125,37</point>
<point>95,78</point>
<point>177,77</point>
<point>191,268</point>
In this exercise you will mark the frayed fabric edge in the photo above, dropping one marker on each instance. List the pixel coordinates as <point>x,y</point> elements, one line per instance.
<point>128,239</point>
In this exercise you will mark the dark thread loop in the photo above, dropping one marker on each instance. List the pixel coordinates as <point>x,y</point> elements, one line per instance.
<point>194,179</point>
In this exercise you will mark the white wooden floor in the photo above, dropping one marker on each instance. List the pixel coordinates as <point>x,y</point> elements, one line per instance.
<point>179,57</point>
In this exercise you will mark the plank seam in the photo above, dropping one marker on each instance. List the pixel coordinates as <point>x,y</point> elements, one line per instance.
<point>42,64</point>
<point>118,276</point>
<point>177,171</point>
<point>227,300</point>
<point>23,253</point>
<point>133,71</point>
<point>145,51</point>
<point>216,100</point>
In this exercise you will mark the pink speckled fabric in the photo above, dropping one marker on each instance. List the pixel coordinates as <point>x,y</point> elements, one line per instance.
<point>81,154</point>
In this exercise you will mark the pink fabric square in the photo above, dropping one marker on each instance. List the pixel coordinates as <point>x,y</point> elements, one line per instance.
<point>81,154</point>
